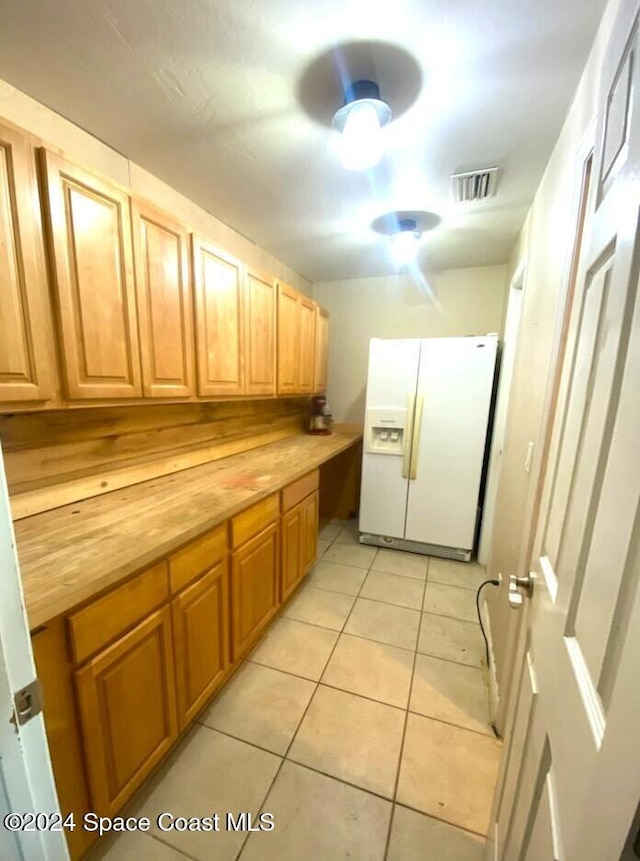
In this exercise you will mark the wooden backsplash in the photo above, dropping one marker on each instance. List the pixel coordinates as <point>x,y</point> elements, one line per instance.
<point>56,457</point>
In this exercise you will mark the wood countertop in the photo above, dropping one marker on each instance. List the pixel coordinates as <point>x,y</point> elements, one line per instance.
<point>72,553</point>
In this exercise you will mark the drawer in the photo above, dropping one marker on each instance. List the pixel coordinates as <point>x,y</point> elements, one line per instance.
<point>105,619</point>
<point>253,520</point>
<point>197,557</point>
<point>294,493</point>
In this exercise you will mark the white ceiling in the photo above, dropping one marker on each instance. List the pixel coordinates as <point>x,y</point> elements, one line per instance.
<point>230,102</point>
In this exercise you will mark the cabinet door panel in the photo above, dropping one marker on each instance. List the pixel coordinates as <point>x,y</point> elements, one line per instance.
<point>254,597</point>
<point>307,345</point>
<point>201,635</point>
<point>90,229</point>
<point>288,339</point>
<point>26,350</point>
<point>310,531</point>
<point>126,699</point>
<point>219,320</point>
<point>291,559</point>
<point>321,351</point>
<point>164,303</point>
<point>260,330</point>
<point>63,733</point>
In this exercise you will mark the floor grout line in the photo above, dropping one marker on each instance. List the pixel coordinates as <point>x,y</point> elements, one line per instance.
<point>406,721</point>
<point>293,738</point>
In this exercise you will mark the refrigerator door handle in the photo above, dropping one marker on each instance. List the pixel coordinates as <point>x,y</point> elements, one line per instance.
<point>406,454</point>
<point>415,438</point>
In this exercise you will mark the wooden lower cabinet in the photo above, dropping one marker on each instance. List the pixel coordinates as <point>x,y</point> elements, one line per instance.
<point>254,570</point>
<point>147,656</point>
<point>299,541</point>
<point>291,570</point>
<point>201,640</point>
<point>310,508</point>
<point>55,672</point>
<point>127,704</point>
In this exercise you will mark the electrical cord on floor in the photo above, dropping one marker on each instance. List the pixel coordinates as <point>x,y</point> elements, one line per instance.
<point>480,587</point>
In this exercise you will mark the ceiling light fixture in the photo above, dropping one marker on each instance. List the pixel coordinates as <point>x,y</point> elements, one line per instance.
<point>361,120</point>
<point>404,243</point>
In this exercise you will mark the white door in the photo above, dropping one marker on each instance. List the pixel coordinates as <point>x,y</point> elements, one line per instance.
<point>571,777</point>
<point>455,382</point>
<point>26,779</point>
<point>391,385</point>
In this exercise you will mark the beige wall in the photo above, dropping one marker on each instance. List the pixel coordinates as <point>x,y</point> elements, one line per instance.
<point>77,145</point>
<point>455,302</point>
<point>547,239</point>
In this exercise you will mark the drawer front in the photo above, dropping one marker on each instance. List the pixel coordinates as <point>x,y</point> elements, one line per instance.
<point>247,524</point>
<point>103,620</point>
<point>294,493</point>
<point>196,558</point>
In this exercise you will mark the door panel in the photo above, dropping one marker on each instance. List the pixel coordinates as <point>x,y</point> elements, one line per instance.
<point>321,361</point>
<point>391,383</point>
<point>310,531</point>
<point>254,588</point>
<point>291,543</point>
<point>260,353</point>
<point>26,351</point>
<point>201,638</point>
<point>584,619</point>
<point>126,700</point>
<point>455,382</point>
<point>90,228</point>
<point>219,302</point>
<point>161,252</point>
<point>288,339</point>
<point>307,345</point>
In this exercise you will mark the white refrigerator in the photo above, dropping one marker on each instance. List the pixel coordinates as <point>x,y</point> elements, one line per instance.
<point>426,425</point>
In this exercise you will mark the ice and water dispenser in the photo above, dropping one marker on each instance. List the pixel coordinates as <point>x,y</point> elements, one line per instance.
<point>385,431</point>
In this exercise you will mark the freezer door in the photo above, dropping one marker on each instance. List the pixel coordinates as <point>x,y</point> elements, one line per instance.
<point>391,388</point>
<point>455,382</point>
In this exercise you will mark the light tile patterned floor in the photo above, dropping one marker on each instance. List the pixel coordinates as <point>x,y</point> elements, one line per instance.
<point>360,721</point>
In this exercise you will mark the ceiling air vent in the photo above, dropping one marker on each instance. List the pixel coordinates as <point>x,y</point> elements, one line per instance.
<point>474,185</point>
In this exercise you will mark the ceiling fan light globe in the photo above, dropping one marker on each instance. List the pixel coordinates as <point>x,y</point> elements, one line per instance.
<point>361,138</point>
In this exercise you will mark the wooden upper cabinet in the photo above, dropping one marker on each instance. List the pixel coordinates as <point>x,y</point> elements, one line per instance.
<point>161,255</point>
<point>90,235</point>
<point>307,345</point>
<point>321,364</point>
<point>26,349</point>
<point>288,339</point>
<point>260,333</point>
<point>219,304</point>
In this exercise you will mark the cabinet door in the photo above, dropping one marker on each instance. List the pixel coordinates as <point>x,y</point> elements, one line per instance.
<point>90,234</point>
<point>260,321</point>
<point>126,700</point>
<point>307,345</point>
<point>321,351</point>
<point>201,636</point>
<point>26,349</point>
<point>253,588</point>
<point>63,733</point>
<point>310,508</point>
<point>219,320</point>
<point>161,255</point>
<point>288,339</point>
<point>291,529</point>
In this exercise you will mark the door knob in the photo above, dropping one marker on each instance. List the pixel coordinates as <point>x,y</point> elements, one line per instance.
<point>519,588</point>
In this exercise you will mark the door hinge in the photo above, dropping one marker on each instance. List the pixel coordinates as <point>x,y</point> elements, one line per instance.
<point>27,703</point>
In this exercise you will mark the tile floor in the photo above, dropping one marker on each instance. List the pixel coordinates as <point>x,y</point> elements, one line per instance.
<point>359,721</point>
